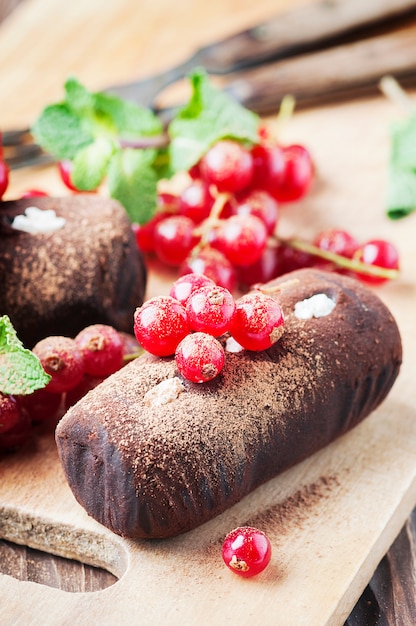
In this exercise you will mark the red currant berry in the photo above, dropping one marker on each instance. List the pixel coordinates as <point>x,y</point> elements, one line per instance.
<point>174,239</point>
<point>297,175</point>
<point>269,166</point>
<point>145,233</point>
<point>246,551</point>
<point>184,286</point>
<point>241,238</point>
<point>18,435</point>
<point>211,310</point>
<point>60,358</point>
<point>262,205</point>
<point>196,201</point>
<point>199,357</point>
<point>195,171</point>
<point>4,177</point>
<point>267,267</point>
<point>211,263</point>
<point>33,193</point>
<point>65,168</point>
<point>290,259</point>
<point>42,405</point>
<point>9,412</point>
<point>87,384</point>
<point>167,203</point>
<point>380,253</point>
<point>337,241</point>
<point>258,322</point>
<point>160,324</point>
<point>131,346</point>
<point>228,166</point>
<point>101,348</point>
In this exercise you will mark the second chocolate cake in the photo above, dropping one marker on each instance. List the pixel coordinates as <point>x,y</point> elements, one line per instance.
<point>67,263</point>
<point>151,455</point>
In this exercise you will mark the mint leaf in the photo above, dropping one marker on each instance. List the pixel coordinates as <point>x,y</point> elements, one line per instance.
<point>90,164</point>
<point>77,97</point>
<point>209,116</point>
<point>132,181</point>
<point>129,119</point>
<point>403,144</point>
<point>401,188</point>
<point>401,193</point>
<point>21,371</point>
<point>61,132</point>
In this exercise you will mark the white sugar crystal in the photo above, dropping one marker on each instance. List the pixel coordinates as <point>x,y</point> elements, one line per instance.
<point>163,393</point>
<point>318,305</point>
<point>231,345</point>
<point>36,221</point>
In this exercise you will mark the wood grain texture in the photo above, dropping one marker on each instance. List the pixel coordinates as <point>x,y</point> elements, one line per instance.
<point>334,517</point>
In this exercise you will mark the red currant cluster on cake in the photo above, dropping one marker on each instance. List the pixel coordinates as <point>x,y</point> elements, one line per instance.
<point>190,320</point>
<point>75,366</point>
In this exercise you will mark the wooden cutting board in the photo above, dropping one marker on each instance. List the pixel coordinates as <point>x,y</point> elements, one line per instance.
<point>330,519</point>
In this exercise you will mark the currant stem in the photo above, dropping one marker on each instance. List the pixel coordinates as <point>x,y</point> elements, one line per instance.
<point>211,221</point>
<point>341,261</point>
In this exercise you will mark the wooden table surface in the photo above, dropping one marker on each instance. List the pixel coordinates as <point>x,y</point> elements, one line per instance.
<point>101,42</point>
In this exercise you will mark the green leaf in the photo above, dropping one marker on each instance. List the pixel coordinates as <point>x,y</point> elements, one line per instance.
<point>90,164</point>
<point>129,119</point>
<point>401,192</point>
<point>403,144</point>
<point>77,97</point>
<point>21,371</point>
<point>209,116</point>
<point>61,132</point>
<point>132,181</point>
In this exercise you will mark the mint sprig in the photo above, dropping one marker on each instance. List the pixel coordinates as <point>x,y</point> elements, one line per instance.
<point>401,186</point>
<point>21,371</point>
<point>126,144</point>
<point>209,116</point>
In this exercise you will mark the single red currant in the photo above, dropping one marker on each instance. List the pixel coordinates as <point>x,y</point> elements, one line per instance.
<point>246,551</point>
<point>4,177</point>
<point>196,201</point>
<point>267,267</point>
<point>174,239</point>
<point>297,175</point>
<point>9,412</point>
<point>160,324</point>
<point>211,263</point>
<point>262,205</point>
<point>268,166</point>
<point>228,165</point>
<point>258,322</point>
<point>62,360</point>
<point>380,253</point>
<point>199,357</point>
<point>185,285</point>
<point>65,168</point>
<point>211,310</point>
<point>241,238</point>
<point>87,384</point>
<point>102,349</point>
<point>33,193</point>
<point>145,233</point>
<point>337,241</point>
<point>42,405</point>
<point>18,435</point>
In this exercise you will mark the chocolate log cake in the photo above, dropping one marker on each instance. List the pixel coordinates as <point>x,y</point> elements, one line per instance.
<point>63,273</point>
<point>151,455</point>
